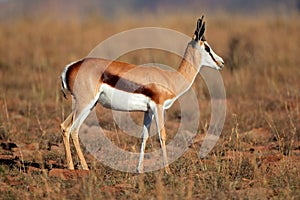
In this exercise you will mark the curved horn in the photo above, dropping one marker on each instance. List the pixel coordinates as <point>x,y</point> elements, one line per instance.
<point>202,30</point>
<point>199,22</point>
<point>199,29</point>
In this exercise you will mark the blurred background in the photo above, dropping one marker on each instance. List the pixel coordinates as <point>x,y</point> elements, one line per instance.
<point>258,154</point>
<point>114,9</point>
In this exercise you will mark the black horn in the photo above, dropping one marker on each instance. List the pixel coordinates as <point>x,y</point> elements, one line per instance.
<point>200,29</point>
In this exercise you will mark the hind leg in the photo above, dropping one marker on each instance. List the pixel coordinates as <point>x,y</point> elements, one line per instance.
<point>65,127</point>
<point>81,112</point>
<point>75,139</point>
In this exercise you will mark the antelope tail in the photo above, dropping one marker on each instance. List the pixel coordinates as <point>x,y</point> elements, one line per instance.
<point>64,86</point>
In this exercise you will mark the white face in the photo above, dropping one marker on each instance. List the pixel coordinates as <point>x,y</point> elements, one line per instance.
<point>209,57</point>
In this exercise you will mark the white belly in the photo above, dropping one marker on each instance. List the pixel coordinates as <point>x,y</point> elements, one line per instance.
<point>123,101</point>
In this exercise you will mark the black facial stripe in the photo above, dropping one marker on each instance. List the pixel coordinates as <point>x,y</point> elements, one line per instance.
<point>213,58</point>
<point>206,48</point>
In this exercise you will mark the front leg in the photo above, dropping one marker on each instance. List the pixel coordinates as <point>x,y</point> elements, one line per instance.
<point>145,134</point>
<point>159,119</point>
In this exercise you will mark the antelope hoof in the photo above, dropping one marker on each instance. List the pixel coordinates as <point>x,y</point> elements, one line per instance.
<point>167,170</point>
<point>139,170</point>
<point>71,167</point>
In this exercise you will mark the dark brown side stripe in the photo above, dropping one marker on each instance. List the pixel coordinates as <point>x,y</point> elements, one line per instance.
<point>126,85</point>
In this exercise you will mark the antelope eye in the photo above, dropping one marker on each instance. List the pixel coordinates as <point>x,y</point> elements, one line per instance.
<point>207,48</point>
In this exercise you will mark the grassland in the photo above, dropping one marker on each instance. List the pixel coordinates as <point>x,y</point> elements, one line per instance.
<point>257,157</point>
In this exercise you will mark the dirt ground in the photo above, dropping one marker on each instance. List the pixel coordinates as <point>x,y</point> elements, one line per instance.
<point>257,156</point>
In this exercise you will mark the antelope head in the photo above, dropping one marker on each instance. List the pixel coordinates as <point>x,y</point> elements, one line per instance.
<point>208,56</point>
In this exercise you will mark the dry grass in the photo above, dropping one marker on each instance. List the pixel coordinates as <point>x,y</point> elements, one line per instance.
<point>262,86</point>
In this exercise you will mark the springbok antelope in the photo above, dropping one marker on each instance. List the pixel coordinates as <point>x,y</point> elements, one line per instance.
<point>126,87</point>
